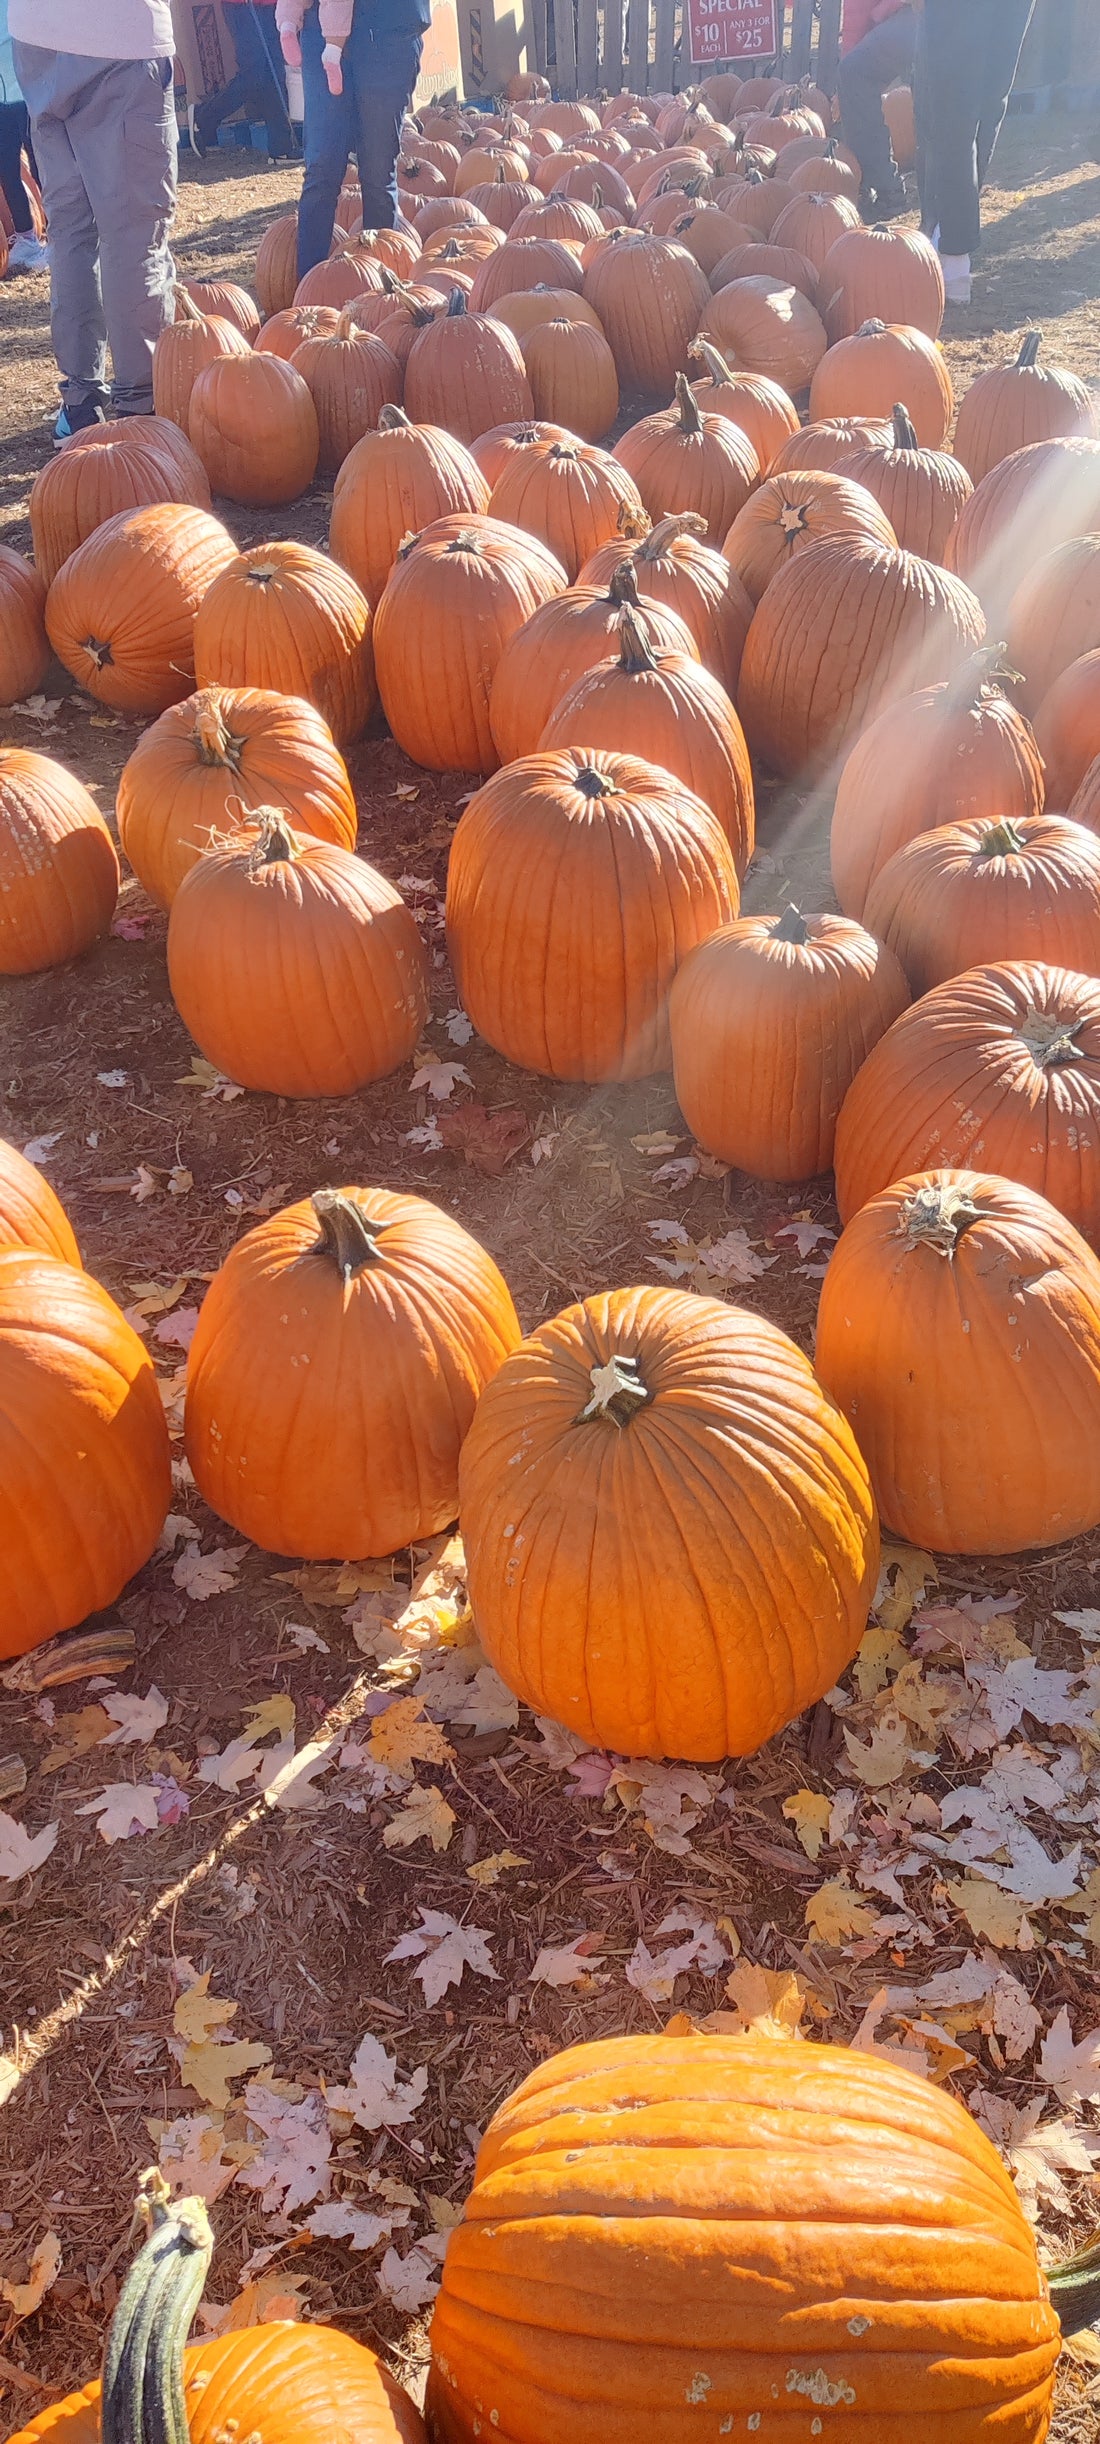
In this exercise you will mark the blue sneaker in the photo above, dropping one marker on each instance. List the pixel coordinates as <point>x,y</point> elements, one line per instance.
<point>76,420</point>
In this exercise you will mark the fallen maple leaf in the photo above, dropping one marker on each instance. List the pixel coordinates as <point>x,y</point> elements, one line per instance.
<point>202,1575</point>
<point>1073,2070</point>
<point>189,2152</point>
<point>198,2013</point>
<point>210,2068</point>
<point>809,1812</point>
<point>21,1852</point>
<point>45,2266</point>
<point>567,1964</point>
<point>376,2097</point>
<point>424,1816</point>
<point>834,1913</point>
<point>443,1950</point>
<point>122,1809</point>
<point>993,1915</point>
<point>341,2221</point>
<point>767,2002</point>
<point>440,1078</point>
<point>904,1574</point>
<point>488,1871</point>
<point>402,1737</point>
<point>487,1140</point>
<point>655,1975</point>
<point>39,1149</point>
<point>288,1775</point>
<point>291,2168</point>
<point>134,1718</point>
<point>409,2283</point>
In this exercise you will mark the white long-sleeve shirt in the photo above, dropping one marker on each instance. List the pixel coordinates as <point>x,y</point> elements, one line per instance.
<point>111,29</point>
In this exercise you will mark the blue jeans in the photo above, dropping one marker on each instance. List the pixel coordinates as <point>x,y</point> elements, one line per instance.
<point>379,75</point>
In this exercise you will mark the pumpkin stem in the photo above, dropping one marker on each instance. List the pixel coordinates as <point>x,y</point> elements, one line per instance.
<point>938,1217</point>
<point>348,1234</point>
<point>666,531</point>
<point>905,433</point>
<point>393,420</point>
<point>1004,839</point>
<point>186,309</point>
<point>635,651</point>
<point>276,845</point>
<point>873,328</point>
<point>1049,1039</point>
<point>211,735</point>
<point>456,304</point>
<point>346,325</point>
<point>712,358</point>
<point>593,784</point>
<point>98,651</point>
<point>617,1391</point>
<point>143,2400</point>
<point>790,927</point>
<point>688,405</point>
<point>622,585</point>
<point>1075,2288</point>
<point>1029,351</point>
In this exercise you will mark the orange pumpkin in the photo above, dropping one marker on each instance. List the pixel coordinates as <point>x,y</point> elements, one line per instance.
<point>210,763</point>
<point>80,488</point>
<point>572,375</point>
<point>883,270</point>
<point>525,310</point>
<point>673,566</point>
<point>649,294</point>
<point>345,274</point>
<point>678,712</point>
<point>829,173</point>
<point>388,1293</point>
<point>286,617</point>
<point>579,1484</point>
<point>351,376</point>
<point>812,223</point>
<point>921,491</point>
<point>223,301</point>
<point>183,350</point>
<point>689,458</point>
<point>1024,508</point>
<point>58,868</point>
<point>789,514</point>
<point>1084,806</point>
<point>254,425</point>
<point>878,364</point>
<point>766,326</point>
<point>466,372</point>
<point>459,592</point>
<point>31,1217</point>
<point>969,893</point>
<point>1067,727</point>
<point>567,493</point>
<point>394,482</point>
<point>285,332</point>
<point>275,276</point>
<point>828,442</point>
<point>1012,405</point>
<point>1054,616</point>
<point>780,264</point>
<point>524,263</point>
<point>958,1309</point>
<point>752,401</point>
<point>121,612</point>
<point>85,1482</point>
<point>568,636</point>
<point>24,645</point>
<point>492,452</point>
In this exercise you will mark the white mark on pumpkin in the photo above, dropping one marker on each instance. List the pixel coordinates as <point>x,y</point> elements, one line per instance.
<point>859,2325</point>
<point>815,2427</point>
<point>754,2419</point>
<point>818,2387</point>
<point>699,2388</point>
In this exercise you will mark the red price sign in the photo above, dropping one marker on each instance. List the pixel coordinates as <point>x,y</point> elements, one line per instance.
<point>731,29</point>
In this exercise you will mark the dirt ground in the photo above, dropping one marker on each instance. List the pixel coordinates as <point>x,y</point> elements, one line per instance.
<point>293,1913</point>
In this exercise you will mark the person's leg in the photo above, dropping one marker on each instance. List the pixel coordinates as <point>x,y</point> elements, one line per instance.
<point>329,133</point>
<point>14,133</point>
<point>51,82</point>
<point>951,71</point>
<point>885,54</point>
<point>124,138</point>
<point>270,88</point>
<point>383,75</point>
<point>259,85</point>
<point>1007,24</point>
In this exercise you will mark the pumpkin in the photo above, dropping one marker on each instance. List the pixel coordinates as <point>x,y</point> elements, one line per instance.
<point>1054,615</point>
<point>221,301</point>
<point>350,375</point>
<point>708,233</point>
<point>79,489</point>
<point>789,514</point>
<point>525,310</point>
<point>524,263</point>
<point>751,400</point>
<point>500,200</point>
<point>466,372</point>
<point>1084,806</point>
<point>688,458</point>
<point>841,630</point>
<point>286,617</point>
<point>960,1322</point>
<point>395,481</point>
<point>770,1020</point>
<point>577,881</point>
<point>1067,727</point>
<point>899,114</point>
<point>402,318</point>
<point>1012,405</point>
<point>85,1480</point>
<point>1043,495</point>
<point>557,216</point>
<point>572,375</point>
<point>58,869</point>
<point>883,271</point>
<point>447,215</point>
<point>567,493</point>
<point>390,1297</point>
<point>678,712</point>
<point>210,763</point>
<point>297,968</point>
<point>955,752</point>
<point>812,223</point>
<point>297,2384</point>
<point>568,636</point>
<point>183,350</point>
<point>629,1477</point>
<point>782,265</point>
<point>120,614</point>
<point>753,198</point>
<point>970,893</point>
<point>921,491</point>
<point>828,442</point>
<point>649,294</point>
<point>285,332</point>
<point>24,645</point>
<point>1003,1062</point>
<point>832,172</point>
<point>766,326</point>
<point>880,363</point>
<point>343,275</point>
<point>254,425</point>
<point>460,590</point>
<point>493,451</point>
<point>673,566</point>
<point>31,1217</point>
<point>275,276</point>
<point>639,2199</point>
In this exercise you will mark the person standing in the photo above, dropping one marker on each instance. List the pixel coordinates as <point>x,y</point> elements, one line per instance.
<point>355,100</point>
<point>968,52</point>
<point>98,86</point>
<point>258,87</point>
<point>879,48</point>
<point>27,251</point>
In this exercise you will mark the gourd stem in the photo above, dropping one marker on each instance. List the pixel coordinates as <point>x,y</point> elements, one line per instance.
<point>143,2398</point>
<point>1075,2289</point>
<point>618,1391</point>
<point>276,845</point>
<point>688,407</point>
<point>1029,351</point>
<point>623,585</point>
<point>905,435</point>
<point>678,522</point>
<point>711,357</point>
<point>1049,1039</point>
<point>937,1217</point>
<point>393,420</point>
<point>1004,839</point>
<point>456,304</point>
<point>212,739</point>
<point>635,652</point>
<point>593,784</point>
<point>873,328</point>
<point>791,927</point>
<point>348,1234</point>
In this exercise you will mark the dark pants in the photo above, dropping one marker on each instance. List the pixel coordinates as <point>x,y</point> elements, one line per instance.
<point>884,55</point>
<point>259,86</point>
<point>379,75</point>
<point>967,55</point>
<point>15,137</point>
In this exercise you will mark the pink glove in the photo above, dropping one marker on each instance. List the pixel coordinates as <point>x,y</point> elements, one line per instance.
<point>331,62</point>
<point>288,20</point>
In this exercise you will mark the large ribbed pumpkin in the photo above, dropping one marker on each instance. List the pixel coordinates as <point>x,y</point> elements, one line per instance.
<point>572,375</point>
<point>459,592</point>
<point>969,893</point>
<point>671,2236</point>
<point>789,514</point>
<point>286,617</point>
<point>275,277</point>
<point>210,763</point>
<point>688,457</point>
<point>1054,615</point>
<point>254,425</point>
<point>84,1472</point>
<point>1001,1065</point>
<point>335,1368</point>
<point>183,350</point>
<point>284,333</point>
<point>58,868</point>
<point>770,1020</point>
<point>959,1330</point>
<point>843,629</point>
<point>767,326</point>
<point>761,409</point>
<point>1067,727</point>
<point>1084,806</point>
<point>628,1482</point>
<point>392,484</point>
<point>120,615</point>
<point>675,567</point>
<point>953,753</point>
<point>570,494</point>
<point>812,223</point>
<point>827,442</point>
<point>673,711</point>
<point>879,364</point>
<point>81,487</point>
<point>562,640</point>
<point>649,294</point>
<point>24,645</point>
<point>921,491</point>
<point>1012,405</point>
<point>466,372</point>
<point>577,882</point>
<point>351,376</point>
<point>31,1216</point>
<point>1043,495</point>
<point>881,270</point>
<point>296,967</point>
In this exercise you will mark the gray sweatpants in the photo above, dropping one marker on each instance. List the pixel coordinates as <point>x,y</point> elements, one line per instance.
<point>105,140</point>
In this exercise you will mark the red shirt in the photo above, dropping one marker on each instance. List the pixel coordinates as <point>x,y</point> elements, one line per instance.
<point>861,15</point>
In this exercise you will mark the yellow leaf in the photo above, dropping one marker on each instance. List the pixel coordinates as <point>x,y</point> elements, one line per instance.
<point>881,1652</point>
<point>45,2266</point>
<point>907,1573</point>
<point>403,1737</point>
<point>770,2002</point>
<point>489,1870</point>
<point>809,1813</point>
<point>198,2012</point>
<point>888,1755</point>
<point>425,1815</point>
<point>928,1704</point>
<point>443,2211</point>
<point>834,1913</point>
<point>438,1610</point>
<point>76,1733</point>
<point>271,2298</point>
<point>208,2068</point>
<point>272,1714</point>
<point>336,1582</point>
<point>994,1916</point>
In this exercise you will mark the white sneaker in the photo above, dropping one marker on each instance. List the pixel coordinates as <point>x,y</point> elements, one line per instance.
<point>956,278</point>
<point>28,254</point>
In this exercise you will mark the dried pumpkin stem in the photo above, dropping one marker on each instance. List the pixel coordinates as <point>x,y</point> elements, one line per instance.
<point>687,405</point>
<point>1029,352</point>
<point>618,1392</point>
<point>1049,1039</point>
<point>393,420</point>
<point>276,845</point>
<point>905,433</point>
<point>710,356</point>
<point>938,1217</point>
<point>143,2399</point>
<point>635,652</point>
<point>211,734</point>
<point>790,927</point>
<point>1004,839</point>
<point>348,1234</point>
<point>1075,2288</point>
<point>623,585</point>
<point>667,530</point>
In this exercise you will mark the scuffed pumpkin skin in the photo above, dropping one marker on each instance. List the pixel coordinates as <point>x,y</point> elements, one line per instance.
<point>278,2383</point>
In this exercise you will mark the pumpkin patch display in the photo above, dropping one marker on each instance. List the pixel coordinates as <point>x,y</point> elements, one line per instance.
<point>24,645</point>
<point>789,513</point>
<point>674,566</point>
<point>460,590</point>
<point>208,766</point>
<point>568,636</point>
<point>379,1306</point>
<point>31,1216</point>
<point>689,457</point>
<point>568,493</point>
<point>121,612</point>
<point>579,1482</point>
<point>396,481</point>
<point>58,869</point>
<point>969,893</point>
<point>285,617</point>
